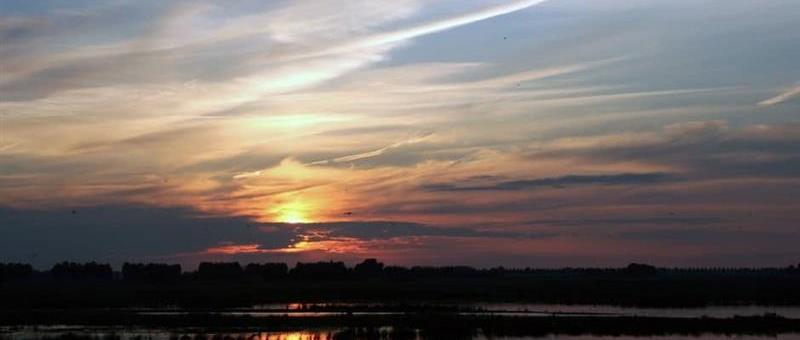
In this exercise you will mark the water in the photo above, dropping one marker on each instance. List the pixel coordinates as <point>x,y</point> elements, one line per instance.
<point>328,309</point>
<point>791,312</point>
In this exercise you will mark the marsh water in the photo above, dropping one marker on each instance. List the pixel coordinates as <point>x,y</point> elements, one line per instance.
<point>322,309</point>
<point>326,309</point>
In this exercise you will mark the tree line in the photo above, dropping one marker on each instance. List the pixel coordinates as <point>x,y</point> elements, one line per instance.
<point>331,270</point>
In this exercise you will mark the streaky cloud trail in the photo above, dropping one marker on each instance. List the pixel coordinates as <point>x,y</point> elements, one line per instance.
<point>429,28</point>
<point>781,98</point>
<point>373,153</point>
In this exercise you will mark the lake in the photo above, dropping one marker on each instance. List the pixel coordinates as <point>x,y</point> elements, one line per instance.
<point>323,309</point>
<point>311,329</point>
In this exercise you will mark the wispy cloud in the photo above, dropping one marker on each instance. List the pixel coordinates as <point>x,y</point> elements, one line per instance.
<point>431,27</point>
<point>373,153</point>
<point>781,98</point>
<point>570,180</point>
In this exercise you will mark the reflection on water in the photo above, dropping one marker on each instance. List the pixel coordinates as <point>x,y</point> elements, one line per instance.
<point>791,312</point>
<point>329,309</point>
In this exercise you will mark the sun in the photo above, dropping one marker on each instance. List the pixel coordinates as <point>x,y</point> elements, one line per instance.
<point>293,212</point>
<point>293,218</point>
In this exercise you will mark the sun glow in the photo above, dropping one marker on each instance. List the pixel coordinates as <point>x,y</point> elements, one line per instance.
<point>293,212</point>
<point>293,218</point>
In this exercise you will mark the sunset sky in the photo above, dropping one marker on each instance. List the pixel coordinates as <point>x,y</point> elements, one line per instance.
<point>516,133</point>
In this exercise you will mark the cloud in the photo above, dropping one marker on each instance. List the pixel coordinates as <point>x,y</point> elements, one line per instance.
<point>17,29</point>
<point>781,98</point>
<point>672,219</point>
<point>569,180</point>
<point>118,233</point>
<point>432,27</point>
<point>373,230</point>
<point>359,156</point>
<point>304,21</point>
<point>357,237</point>
<point>708,149</point>
<point>714,235</point>
<point>310,68</point>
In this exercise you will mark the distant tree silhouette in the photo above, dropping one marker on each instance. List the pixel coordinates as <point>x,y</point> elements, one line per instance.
<point>638,269</point>
<point>370,267</point>
<point>396,273</point>
<point>151,272</point>
<point>13,271</point>
<point>319,270</point>
<point>91,270</point>
<point>636,284</point>
<point>446,272</point>
<point>219,271</point>
<point>267,271</point>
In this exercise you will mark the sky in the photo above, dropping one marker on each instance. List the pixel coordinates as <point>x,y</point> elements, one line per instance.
<point>433,132</point>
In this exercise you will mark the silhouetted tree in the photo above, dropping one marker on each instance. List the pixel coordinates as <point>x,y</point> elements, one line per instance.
<point>13,271</point>
<point>370,267</point>
<point>151,272</point>
<point>267,271</point>
<point>219,271</point>
<point>445,272</point>
<point>319,270</point>
<point>396,273</point>
<point>91,270</point>
<point>638,269</point>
